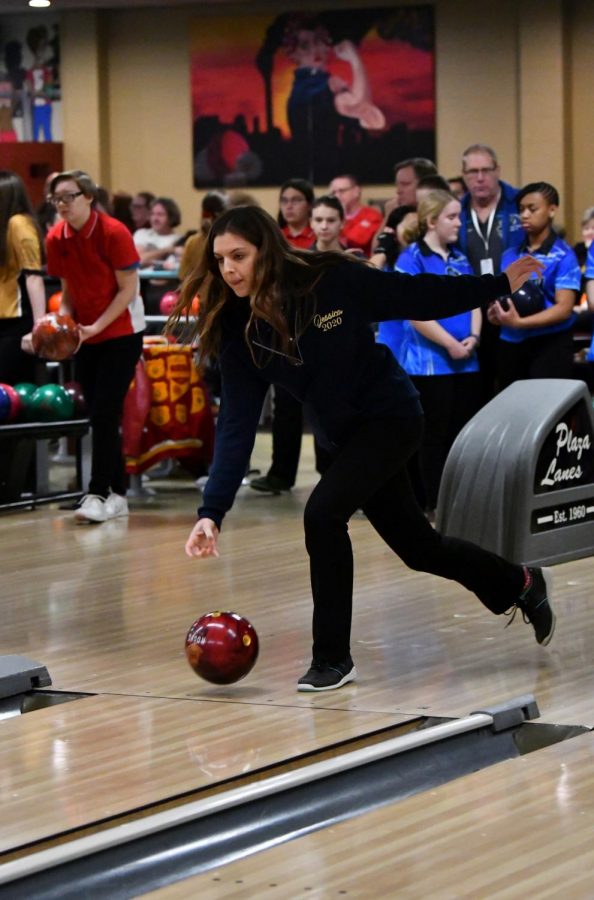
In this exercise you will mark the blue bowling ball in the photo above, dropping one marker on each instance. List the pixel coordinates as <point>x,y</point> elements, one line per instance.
<point>5,405</point>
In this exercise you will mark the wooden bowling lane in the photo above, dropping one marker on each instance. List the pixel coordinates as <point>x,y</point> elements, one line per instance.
<point>522,828</point>
<point>106,609</point>
<point>69,766</point>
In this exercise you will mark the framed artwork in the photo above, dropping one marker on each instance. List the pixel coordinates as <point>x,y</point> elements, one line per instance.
<point>311,95</point>
<point>30,95</point>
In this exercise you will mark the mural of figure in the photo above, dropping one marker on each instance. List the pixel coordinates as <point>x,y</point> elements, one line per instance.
<point>40,82</point>
<point>319,100</point>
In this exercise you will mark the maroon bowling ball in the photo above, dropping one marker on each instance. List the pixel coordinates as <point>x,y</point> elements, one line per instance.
<point>54,337</point>
<point>222,647</point>
<point>74,390</point>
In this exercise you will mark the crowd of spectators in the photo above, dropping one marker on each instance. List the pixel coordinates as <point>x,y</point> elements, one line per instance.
<point>470,222</point>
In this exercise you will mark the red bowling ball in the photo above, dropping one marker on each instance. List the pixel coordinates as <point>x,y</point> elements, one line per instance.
<point>54,337</point>
<point>222,647</point>
<point>75,391</point>
<point>15,402</point>
<point>167,302</point>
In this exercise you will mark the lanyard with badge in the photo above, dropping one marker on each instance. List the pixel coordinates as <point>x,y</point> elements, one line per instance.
<point>487,267</point>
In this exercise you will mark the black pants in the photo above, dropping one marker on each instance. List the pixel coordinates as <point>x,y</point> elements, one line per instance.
<point>544,356</point>
<point>105,371</point>
<point>287,428</point>
<point>15,364</point>
<point>369,472</point>
<point>449,402</point>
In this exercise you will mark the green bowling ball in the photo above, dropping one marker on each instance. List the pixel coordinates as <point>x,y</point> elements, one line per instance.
<point>51,403</point>
<point>25,390</point>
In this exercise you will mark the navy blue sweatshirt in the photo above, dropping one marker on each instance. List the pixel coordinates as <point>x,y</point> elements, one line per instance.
<point>346,378</point>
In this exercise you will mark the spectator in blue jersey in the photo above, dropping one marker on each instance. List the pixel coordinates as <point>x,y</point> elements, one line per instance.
<point>489,225</point>
<point>440,355</point>
<point>589,276</point>
<point>538,344</point>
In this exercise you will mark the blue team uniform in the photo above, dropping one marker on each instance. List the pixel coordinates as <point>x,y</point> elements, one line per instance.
<point>506,225</point>
<point>589,274</point>
<point>417,354</point>
<point>561,270</point>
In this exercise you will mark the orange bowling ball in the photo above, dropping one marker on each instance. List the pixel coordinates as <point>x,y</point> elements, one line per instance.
<point>54,337</point>
<point>222,647</point>
<point>53,303</point>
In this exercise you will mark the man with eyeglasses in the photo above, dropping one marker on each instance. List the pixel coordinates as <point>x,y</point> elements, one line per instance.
<point>489,225</point>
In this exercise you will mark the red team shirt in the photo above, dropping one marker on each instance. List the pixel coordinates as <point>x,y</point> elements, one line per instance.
<point>359,230</point>
<point>88,260</point>
<point>303,240</point>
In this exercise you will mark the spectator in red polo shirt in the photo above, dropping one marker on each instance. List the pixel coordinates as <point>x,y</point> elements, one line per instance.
<point>95,258</point>
<point>360,222</point>
<point>296,199</point>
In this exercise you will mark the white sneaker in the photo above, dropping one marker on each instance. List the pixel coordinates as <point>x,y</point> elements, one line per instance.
<point>92,509</point>
<point>116,506</point>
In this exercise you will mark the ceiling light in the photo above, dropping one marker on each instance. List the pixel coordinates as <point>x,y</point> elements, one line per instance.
<point>40,3</point>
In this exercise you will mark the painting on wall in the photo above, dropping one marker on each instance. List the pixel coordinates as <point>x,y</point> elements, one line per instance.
<point>311,95</point>
<point>30,95</point>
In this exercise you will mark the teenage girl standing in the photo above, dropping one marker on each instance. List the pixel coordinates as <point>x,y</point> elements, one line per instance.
<point>440,355</point>
<point>95,257</point>
<point>539,345</point>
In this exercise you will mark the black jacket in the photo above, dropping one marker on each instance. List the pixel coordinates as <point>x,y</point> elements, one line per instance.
<point>346,378</point>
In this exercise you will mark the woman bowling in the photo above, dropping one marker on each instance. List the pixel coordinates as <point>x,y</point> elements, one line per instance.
<point>273,314</point>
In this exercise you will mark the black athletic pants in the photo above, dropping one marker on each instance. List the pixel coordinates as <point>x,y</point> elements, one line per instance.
<point>15,364</point>
<point>287,429</point>
<point>449,402</point>
<point>543,356</point>
<point>105,371</point>
<point>369,472</point>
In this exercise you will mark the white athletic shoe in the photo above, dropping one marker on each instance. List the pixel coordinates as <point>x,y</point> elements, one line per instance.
<point>116,506</point>
<point>92,509</point>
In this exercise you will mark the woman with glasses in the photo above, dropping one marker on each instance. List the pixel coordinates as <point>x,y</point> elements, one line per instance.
<point>273,314</point>
<point>296,202</point>
<point>22,293</point>
<point>95,258</point>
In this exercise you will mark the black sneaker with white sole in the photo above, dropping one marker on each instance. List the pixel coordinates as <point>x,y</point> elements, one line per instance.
<point>323,676</point>
<point>535,604</point>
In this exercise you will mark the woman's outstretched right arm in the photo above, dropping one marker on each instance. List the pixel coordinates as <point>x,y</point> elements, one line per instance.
<point>203,540</point>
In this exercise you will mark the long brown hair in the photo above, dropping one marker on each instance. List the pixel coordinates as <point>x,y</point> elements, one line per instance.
<point>284,282</point>
<point>14,200</point>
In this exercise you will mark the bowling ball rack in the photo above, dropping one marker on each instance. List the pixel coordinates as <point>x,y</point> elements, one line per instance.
<point>24,462</point>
